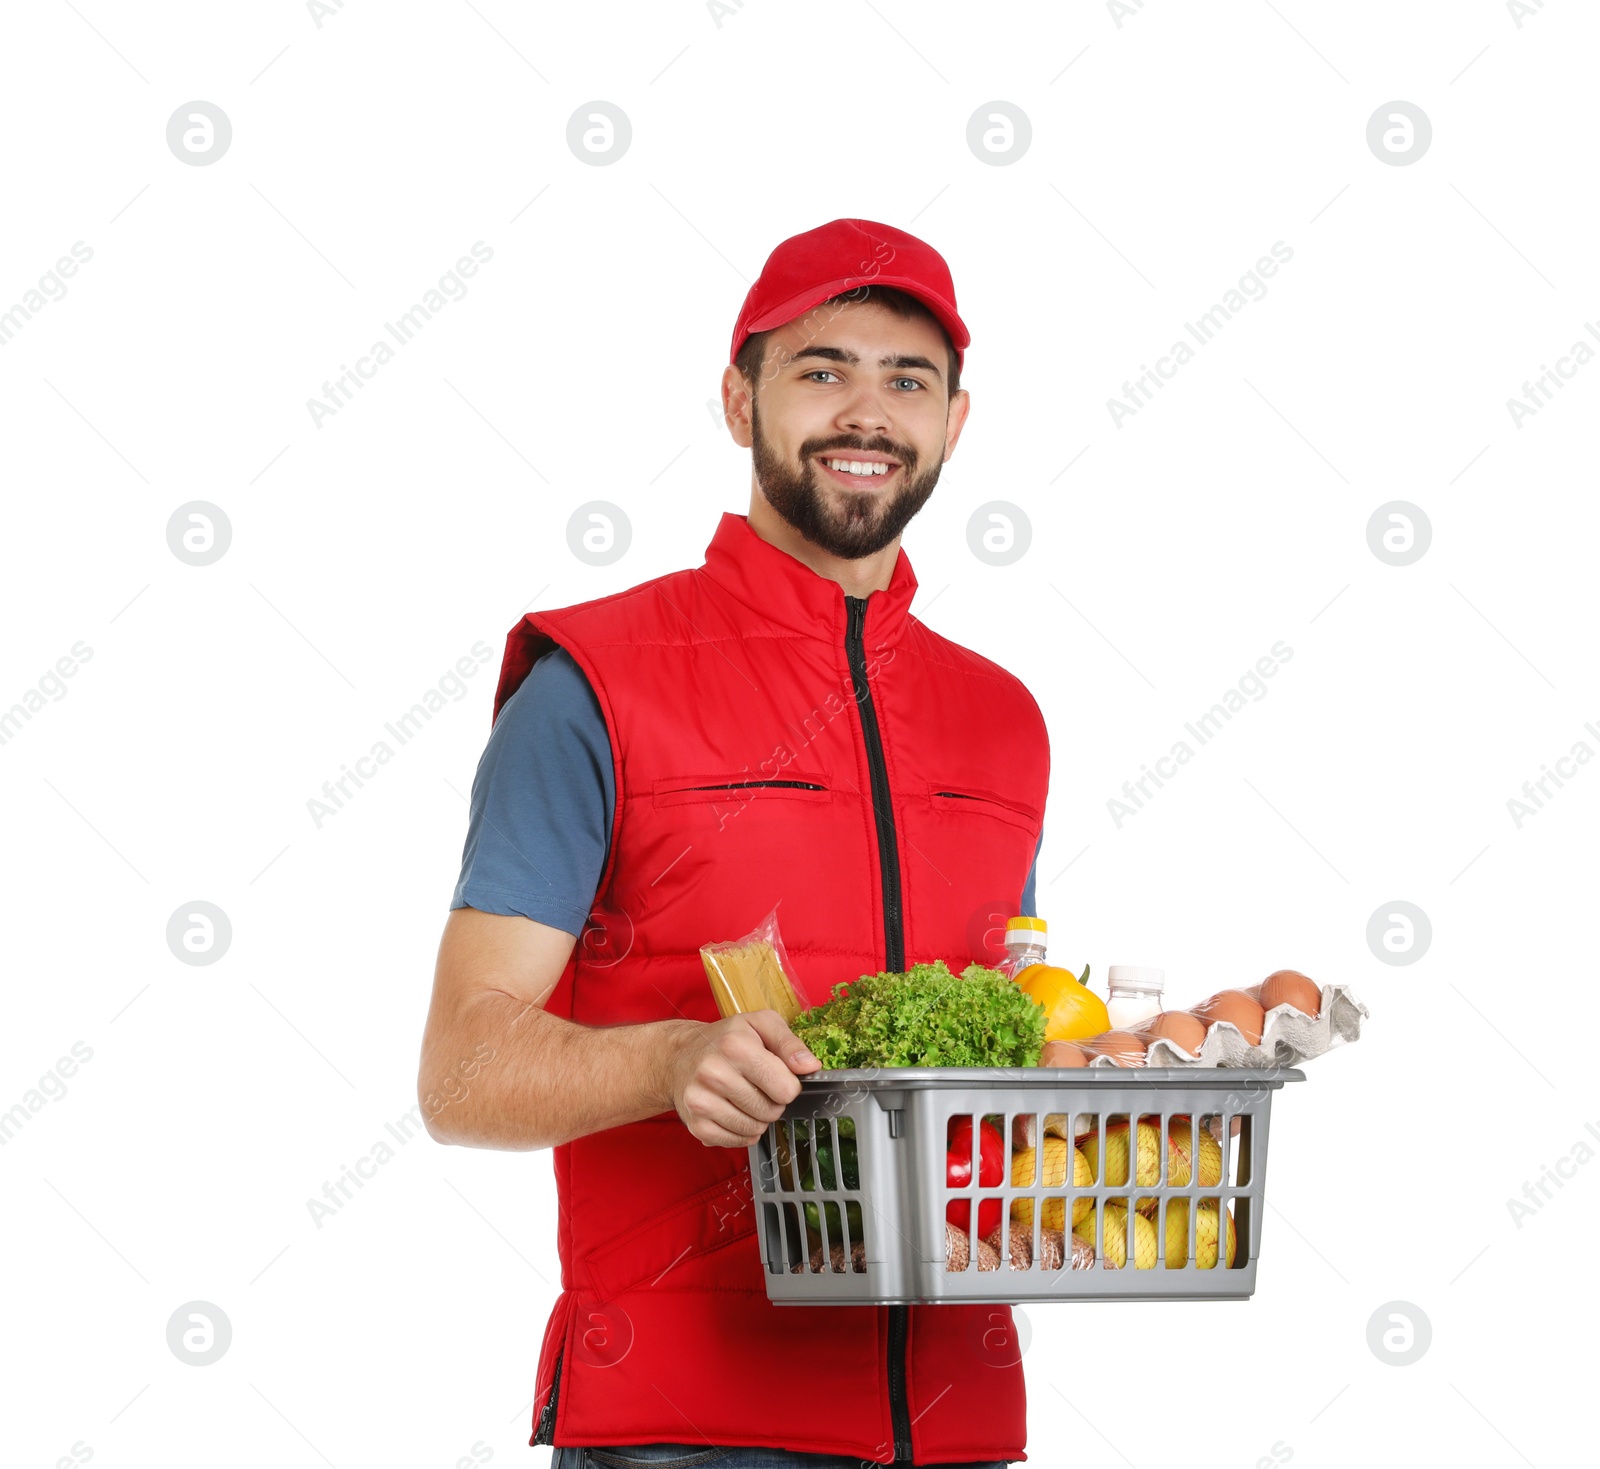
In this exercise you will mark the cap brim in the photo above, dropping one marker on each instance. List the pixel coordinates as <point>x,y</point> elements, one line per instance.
<point>786,311</point>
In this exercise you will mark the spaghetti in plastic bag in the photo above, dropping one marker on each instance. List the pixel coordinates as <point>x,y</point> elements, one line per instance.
<point>752,973</point>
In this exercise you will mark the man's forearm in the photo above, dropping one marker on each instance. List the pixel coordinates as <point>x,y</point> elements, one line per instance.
<point>510,1075</point>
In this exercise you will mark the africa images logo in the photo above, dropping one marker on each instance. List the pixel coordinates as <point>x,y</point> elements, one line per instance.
<point>451,286</point>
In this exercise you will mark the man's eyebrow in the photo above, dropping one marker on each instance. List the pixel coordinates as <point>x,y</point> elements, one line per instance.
<point>850,359</point>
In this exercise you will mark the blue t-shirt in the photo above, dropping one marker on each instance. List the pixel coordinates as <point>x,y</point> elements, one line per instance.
<point>542,803</point>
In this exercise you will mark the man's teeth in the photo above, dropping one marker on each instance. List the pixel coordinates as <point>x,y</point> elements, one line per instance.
<point>858,466</point>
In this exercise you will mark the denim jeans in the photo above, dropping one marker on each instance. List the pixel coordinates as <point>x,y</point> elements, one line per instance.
<point>693,1456</point>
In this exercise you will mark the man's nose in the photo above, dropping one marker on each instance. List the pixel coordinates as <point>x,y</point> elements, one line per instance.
<point>865,413</point>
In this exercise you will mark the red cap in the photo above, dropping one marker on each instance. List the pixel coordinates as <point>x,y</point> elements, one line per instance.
<point>842,255</point>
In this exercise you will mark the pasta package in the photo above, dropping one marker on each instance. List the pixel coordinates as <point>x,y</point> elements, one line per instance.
<point>752,973</point>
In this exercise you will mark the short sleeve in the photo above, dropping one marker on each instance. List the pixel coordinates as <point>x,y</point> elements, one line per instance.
<point>542,802</point>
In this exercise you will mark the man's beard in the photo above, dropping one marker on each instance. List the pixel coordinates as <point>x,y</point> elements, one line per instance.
<point>864,523</point>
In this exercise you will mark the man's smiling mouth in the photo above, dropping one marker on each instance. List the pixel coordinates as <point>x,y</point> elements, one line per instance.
<point>858,468</point>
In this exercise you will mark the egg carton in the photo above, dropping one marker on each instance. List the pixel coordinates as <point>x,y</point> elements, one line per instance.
<point>1288,1037</point>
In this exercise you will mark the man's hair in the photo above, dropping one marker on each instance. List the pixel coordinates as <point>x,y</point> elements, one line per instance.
<point>753,353</point>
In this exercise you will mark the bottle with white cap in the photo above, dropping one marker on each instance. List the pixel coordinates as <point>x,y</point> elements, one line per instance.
<point>1133,994</point>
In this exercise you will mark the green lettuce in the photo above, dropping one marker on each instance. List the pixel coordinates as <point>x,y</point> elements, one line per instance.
<point>925,1017</point>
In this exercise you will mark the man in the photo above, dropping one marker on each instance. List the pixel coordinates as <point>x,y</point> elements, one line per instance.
<point>666,765</point>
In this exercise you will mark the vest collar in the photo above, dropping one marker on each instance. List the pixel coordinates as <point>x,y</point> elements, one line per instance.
<point>783,589</point>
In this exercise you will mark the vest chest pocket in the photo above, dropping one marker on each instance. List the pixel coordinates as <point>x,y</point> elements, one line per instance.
<point>726,794</point>
<point>981,801</point>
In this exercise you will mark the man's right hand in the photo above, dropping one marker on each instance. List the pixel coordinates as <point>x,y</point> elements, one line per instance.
<point>731,1078</point>
<point>539,1080</point>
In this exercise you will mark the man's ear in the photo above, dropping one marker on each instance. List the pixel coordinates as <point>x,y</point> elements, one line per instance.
<point>955,420</point>
<point>736,406</point>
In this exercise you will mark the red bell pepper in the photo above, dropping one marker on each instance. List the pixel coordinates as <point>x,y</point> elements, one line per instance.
<point>958,1172</point>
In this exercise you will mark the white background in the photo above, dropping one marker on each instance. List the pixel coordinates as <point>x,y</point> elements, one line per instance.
<point>1168,154</point>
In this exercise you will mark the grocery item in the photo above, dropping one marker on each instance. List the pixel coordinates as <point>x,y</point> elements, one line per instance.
<point>824,1152</point>
<point>1133,994</point>
<point>1027,939</point>
<point>1179,1027</point>
<point>816,1162</point>
<point>958,1171</point>
<point>1025,1128</point>
<point>1205,1235</point>
<point>1178,1162</point>
<point>836,1261</point>
<point>752,973</point>
<point>1288,1033</point>
<point>1023,1165</point>
<point>1237,1009</point>
<point>926,1016</point>
<point>958,1157</point>
<point>1147,1167</point>
<point>1288,987</point>
<point>958,1254</point>
<point>1067,1053</point>
<point>852,1215</point>
<point>1025,945</point>
<point>1052,1250</point>
<point>1302,1022</point>
<point>1122,1046</point>
<point>1116,1237</point>
<point>957,1248</point>
<point>850,1173</point>
<point>1072,1010</point>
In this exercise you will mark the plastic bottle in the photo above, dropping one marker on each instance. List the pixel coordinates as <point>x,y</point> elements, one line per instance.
<point>1025,944</point>
<point>1133,994</point>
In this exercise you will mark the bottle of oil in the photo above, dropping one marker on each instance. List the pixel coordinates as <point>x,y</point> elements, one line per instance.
<point>1074,1012</point>
<point>1025,943</point>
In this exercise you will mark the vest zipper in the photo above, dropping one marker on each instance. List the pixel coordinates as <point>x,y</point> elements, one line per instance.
<point>883,812</point>
<point>544,1431</point>
<point>899,1409</point>
<point>895,956</point>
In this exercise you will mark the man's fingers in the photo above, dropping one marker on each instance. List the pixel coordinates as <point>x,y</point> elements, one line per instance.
<point>719,1137</point>
<point>778,1084</point>
<point>722,1117</point>
<point>782,1042</point>
<point>744,1079</point>
<point>727,1080</point>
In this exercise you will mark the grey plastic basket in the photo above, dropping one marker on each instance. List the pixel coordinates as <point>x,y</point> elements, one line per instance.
<point>900,1118</point>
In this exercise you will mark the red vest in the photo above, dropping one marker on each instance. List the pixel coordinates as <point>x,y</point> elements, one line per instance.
<point>712,681</point>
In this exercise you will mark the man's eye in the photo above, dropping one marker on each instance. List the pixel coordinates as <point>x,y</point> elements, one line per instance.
<point>914,383</point>
<point>820,372</point>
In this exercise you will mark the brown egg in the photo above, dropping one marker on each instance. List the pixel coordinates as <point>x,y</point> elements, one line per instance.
<point>1123,1046</point>
<point>1238,1009</point>
<point>1178,1026</point>
<point>1290,987</point>
<point>1063,1053</point>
